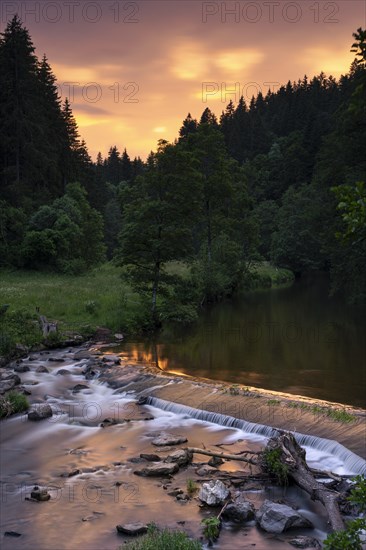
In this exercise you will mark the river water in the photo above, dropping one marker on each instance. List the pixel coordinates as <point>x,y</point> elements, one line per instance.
<point>294,339</point>
<point>85,508</point>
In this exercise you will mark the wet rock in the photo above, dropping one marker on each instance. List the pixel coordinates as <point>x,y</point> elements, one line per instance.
<point>150,457</point>
<point>166,439</point>
<point>42,368</point>
<point>277,518</point>
<point>12,534</point>
<point>213,493</point>
<point>160,469</point>
<point>73,473</point>
<point>79,387</point>
<point>240,510</point>
<point>304,542</point>
<point>142,400</point>
<point>41,412</point>
<point>175,492</point>
<point>8,381</point>
<point>215,461</point>
<point>205,470</point>
<point>63,372</point>
<point>56,359</point>
<point>182,457</point>
<point>108,422</point>
<point>40,494</point>
<point>21,368</point>
<point>132,529</point>
<point>118,336</point>
<point>182,497</point>
<point>23,390</point>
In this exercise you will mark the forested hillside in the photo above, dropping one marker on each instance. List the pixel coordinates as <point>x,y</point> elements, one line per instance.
<point>280,179</point>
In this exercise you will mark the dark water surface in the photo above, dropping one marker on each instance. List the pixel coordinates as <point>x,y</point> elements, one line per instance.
<point>294,339</point>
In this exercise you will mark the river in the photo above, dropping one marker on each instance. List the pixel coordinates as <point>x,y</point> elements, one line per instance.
<point>296,340</point>
<point>88,470</point>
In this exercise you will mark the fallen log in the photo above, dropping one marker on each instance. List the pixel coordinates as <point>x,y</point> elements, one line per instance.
<point>239,457</point>
<point>293,456</point>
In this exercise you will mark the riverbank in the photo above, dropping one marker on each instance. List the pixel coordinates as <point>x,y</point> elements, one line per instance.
<point>81,304</point>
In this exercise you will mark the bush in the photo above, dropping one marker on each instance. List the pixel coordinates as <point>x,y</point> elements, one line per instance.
<point>12,403</point>
<point>164,539</point>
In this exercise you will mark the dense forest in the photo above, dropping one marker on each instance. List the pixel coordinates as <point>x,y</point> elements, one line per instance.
<point>279,179</point>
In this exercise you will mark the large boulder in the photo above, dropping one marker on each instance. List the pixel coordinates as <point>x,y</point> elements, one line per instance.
<point>166,439</point>
<point>8,381</point>
<point>240,510</point>
<point>213,493</point>
<point>182,457</point>
<point>277,518</point>
<point>41,412</point>
<point>159,469</point>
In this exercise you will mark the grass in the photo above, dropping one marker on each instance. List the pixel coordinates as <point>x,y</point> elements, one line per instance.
<point>192,487</point>
<point>268,275</point>
<point>98,298</point>
<point>164,539</point>
<point>273,402</point>
<point>12,403</point>
<point>339,415</point>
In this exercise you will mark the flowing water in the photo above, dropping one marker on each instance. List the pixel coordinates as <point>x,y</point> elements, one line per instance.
<point>85,507</point>
<point>295,340</point>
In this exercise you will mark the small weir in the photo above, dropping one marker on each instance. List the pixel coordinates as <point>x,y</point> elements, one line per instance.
<point>352,463</point>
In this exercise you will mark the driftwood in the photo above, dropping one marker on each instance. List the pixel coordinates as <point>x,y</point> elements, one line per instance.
<point>293,456</point>
<point>47,327</point>
<point>224,455</point>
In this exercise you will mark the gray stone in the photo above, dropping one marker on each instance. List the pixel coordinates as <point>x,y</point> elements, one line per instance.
<point>277,518</point>
<point>79,387</point>
<point>159,469</point>
<point>62,372</point>
<point>42,368</point>
<point>150,457</point>
<point>166,439</point>
<point>213,493</point>
<point>305,542</point>
<point>182,457</point>
<point>40,494</point>
<point>240,510</point>
<point>215,461</point>
<point>21,368</point>
<point>41,412</point>
<point>132,529</point>
<point>205,470</point>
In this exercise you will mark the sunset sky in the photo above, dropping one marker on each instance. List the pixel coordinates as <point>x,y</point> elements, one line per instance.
<point>134,69</point>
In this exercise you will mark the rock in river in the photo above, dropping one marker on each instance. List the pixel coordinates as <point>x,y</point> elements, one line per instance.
<point>159,469</point>
<point>277,518</point>
<point>213,493</point>
<point>166,439</point>
<point>240,510</point>
<point>132,529</point>
<point>41,412</point>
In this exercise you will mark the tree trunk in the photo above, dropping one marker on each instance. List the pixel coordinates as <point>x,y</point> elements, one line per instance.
<point>293,456</point>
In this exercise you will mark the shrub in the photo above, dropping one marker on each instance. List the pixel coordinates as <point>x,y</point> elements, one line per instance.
<point>211,528</point>
<point>12,403</point>
<point>164,539</point>
<point>274,465</point>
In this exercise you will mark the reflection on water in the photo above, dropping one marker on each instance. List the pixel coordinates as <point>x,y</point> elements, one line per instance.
<point>295,340</point>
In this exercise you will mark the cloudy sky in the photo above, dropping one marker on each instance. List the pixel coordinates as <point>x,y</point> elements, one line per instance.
<point>133,69</point>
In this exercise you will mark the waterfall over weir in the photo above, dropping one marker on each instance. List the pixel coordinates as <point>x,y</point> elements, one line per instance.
<point>352,462</point>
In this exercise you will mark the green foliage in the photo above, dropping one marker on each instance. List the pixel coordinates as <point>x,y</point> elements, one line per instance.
<point>164,539</point>
<point>358,493</point>
<point>12,403</point>
<point>274,465</point>
<point>211,528</point>
<point>349,539</point>
<point>18,326</point>
<point>192,487</point>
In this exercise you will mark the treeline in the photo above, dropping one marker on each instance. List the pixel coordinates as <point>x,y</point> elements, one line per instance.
<point>280,179</point>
